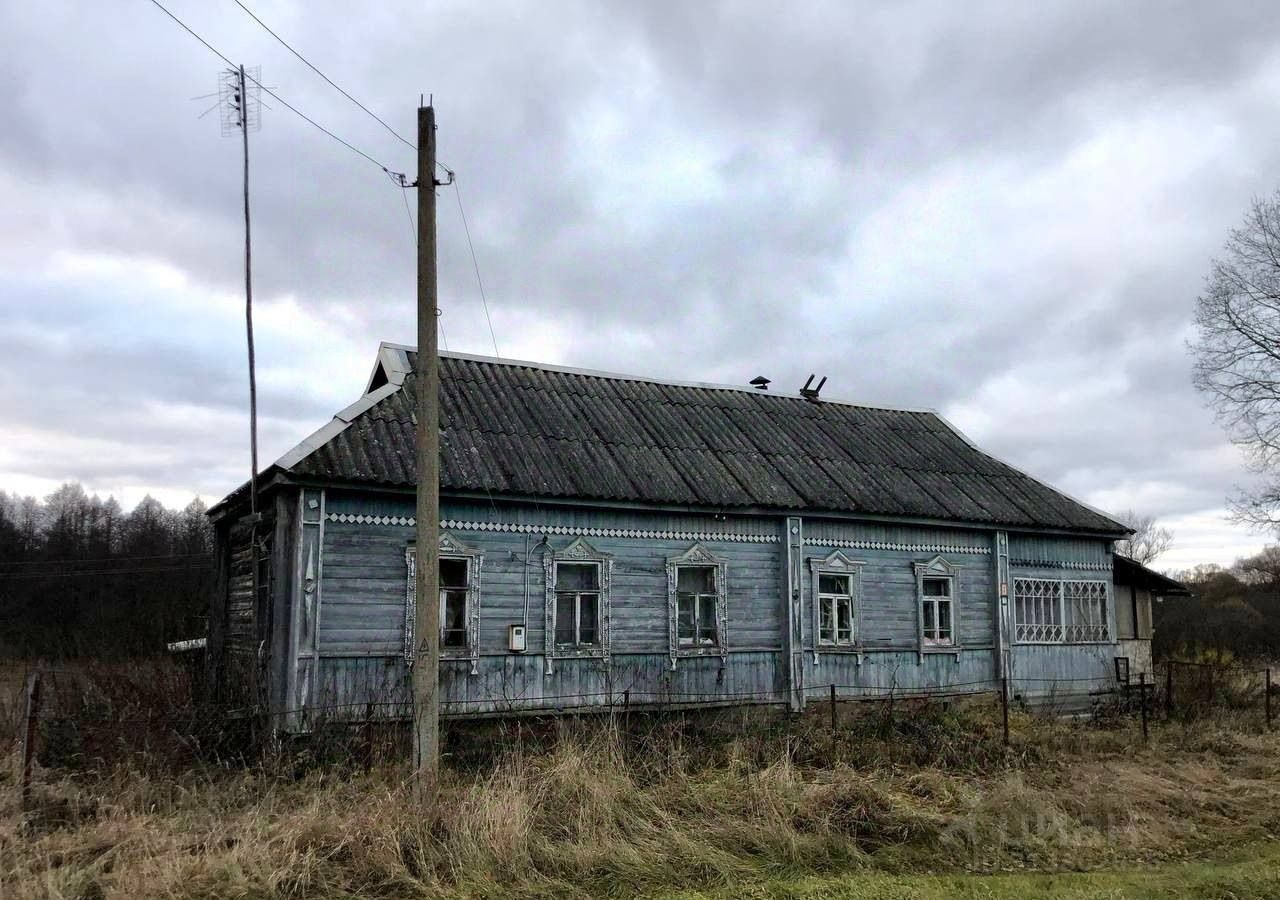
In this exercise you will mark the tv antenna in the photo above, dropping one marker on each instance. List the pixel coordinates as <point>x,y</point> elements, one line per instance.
<point>240,100</point>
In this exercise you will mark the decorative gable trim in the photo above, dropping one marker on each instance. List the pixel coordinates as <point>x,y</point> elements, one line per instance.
<point>936,566</point>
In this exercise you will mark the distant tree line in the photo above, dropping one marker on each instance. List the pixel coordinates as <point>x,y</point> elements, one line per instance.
<point>79,576</point>
<point>1235,612</point>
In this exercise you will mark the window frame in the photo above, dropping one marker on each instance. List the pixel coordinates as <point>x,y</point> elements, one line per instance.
<point>938,567</point>
<point>698,556</point>
<point>837,563</point>
<point>700,599</point>
<point>1063,602</point>
<point>579,551</point>
<point>577,595</point>
<point>449,548</point>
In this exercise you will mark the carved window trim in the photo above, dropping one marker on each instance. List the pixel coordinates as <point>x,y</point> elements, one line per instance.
<point>578,551</point>
<point>698,556</point>
<point>837,563</point>
<point>939,567</point>
<point>450,548</point>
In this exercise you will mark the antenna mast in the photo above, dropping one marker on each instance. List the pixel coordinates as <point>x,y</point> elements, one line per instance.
<point>241,104</point>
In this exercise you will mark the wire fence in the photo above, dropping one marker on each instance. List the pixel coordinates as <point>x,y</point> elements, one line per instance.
<point>69,714</point>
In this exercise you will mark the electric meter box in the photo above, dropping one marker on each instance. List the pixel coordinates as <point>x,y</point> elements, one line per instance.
<point>515,638</point>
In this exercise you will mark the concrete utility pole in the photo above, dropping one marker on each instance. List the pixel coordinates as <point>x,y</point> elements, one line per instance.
<point>426,663</point>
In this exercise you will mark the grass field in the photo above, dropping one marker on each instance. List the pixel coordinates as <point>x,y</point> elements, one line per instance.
<point>924,803</point>
<point>1252,873</point>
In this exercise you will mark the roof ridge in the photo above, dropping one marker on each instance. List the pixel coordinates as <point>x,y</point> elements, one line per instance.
<point>669,382</point>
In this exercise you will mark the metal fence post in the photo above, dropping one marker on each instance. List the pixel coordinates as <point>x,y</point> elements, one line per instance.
<point>29,735</point>
<point>1142,691</point>
<point>833,708</point>
<point>1004,707</point>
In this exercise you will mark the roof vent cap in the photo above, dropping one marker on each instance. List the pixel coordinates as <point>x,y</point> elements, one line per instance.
<point>811,393</point>
<point>760,383</point>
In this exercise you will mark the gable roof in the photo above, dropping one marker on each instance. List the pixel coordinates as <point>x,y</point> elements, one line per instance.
<point>530,430</point>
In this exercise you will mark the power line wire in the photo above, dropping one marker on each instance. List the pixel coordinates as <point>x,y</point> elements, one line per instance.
<point>457,192</point>
<point>331,82</point>
<point>283,102</point>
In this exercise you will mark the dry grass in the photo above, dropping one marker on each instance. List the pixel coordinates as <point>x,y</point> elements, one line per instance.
<point>583,810</point>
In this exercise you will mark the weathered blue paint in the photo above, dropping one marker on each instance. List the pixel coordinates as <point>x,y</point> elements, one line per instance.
<point>1044,671</point>
<point>352,579</point>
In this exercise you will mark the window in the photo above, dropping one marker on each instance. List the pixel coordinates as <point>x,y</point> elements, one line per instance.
<point>577,605</point>
<point>1055,611</point>
<point>935,606</point>
<point>459,600</point>
<point>696,602</point>
<point>835,609</point>
<point>836,589</point>
<point>938,593</point>
<point>697,616</point>
<point>1086,618</point>
<point>453,603</point>
<point>1037,607</point>
<point>577,602</point>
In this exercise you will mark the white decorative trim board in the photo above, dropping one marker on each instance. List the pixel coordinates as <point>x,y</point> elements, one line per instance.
<point>361,519</point>
<point>519,528</point>
<point>889,545</point>
<point>1060,564</point>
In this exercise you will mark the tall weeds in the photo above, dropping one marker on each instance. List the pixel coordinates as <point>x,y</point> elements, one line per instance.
<point>593,807</point>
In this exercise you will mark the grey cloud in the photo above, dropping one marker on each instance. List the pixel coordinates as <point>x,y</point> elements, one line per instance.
<point>821,126</point>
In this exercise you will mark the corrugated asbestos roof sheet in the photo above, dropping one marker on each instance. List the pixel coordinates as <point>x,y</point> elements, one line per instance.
<point>508,428</point>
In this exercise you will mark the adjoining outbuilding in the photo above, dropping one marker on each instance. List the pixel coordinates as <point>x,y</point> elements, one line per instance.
<point>1136,588</point>
<point>605,536</point>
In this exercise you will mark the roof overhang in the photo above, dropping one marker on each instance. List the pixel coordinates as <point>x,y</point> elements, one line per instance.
<point>1132,573</point>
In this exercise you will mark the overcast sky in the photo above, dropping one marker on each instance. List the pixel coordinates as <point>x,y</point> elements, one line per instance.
<point>1003,211</point>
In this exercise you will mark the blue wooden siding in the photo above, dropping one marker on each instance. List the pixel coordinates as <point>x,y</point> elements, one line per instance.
<point>1042,670</point>
<point>888,607</point>
<point>349,687</point>
<point>363,581</point>
<point>1052,551</point>
<point>365,575</point>
<point>1058,670</point>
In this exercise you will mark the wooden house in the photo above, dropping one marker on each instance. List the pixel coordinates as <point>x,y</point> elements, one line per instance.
<point>607,537</point>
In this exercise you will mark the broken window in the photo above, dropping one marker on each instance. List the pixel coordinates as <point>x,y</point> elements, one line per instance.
<point>936,609</point>
<point>696,606</point>
<point>459,575</point>
<point>453,602</point>
<point>835,609</point>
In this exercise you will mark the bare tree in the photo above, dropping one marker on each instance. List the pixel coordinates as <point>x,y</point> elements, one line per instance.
<point>1263,568</point>
<point>1237,353</point>
<point>1148,541</point>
